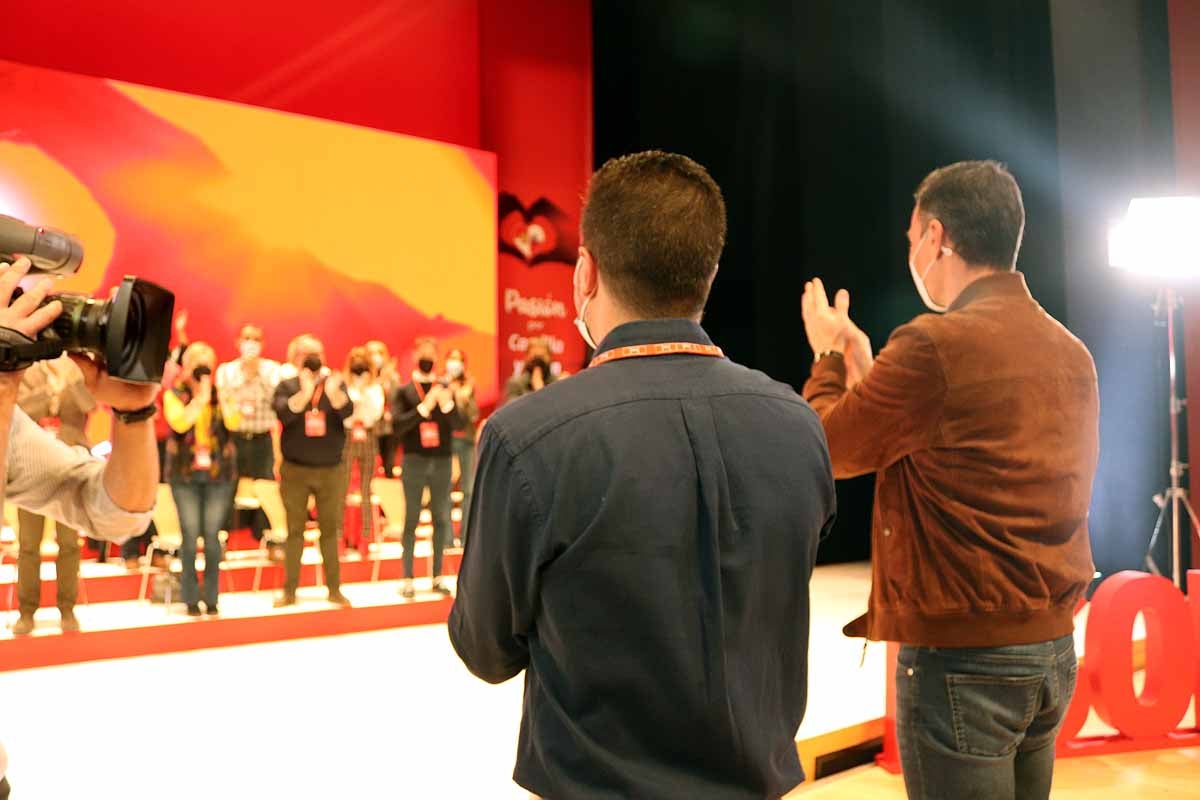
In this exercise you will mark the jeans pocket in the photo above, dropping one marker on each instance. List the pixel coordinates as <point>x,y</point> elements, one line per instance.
<point>991,713</point>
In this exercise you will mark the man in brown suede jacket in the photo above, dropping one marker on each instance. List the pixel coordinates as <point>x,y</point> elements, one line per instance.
<point>981,424</point>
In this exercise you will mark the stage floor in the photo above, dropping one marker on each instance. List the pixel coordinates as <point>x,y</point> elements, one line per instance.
<point>390,713</point>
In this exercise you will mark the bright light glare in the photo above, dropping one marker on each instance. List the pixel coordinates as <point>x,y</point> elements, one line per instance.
<point>1159,238</point>
<point>103,449</point>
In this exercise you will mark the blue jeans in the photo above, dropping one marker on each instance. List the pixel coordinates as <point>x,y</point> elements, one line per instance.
<point>981,723</point>
<point>464,450</point>
<point>203,507</point>
<point>419,472</point>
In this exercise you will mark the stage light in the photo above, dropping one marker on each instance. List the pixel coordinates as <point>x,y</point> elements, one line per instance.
<point>1159,239</point>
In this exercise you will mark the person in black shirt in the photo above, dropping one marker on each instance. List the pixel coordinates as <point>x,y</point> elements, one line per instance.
<point>643,534</point>
<point>425,418</point>
<point>312,407</point>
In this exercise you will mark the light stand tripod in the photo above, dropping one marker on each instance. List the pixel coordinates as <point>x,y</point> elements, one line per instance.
<point>1174,496</point>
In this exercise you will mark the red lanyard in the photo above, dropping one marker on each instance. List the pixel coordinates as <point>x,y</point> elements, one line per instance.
<point>420,391</point>
<point>664,349</point>
<point>316,398</point>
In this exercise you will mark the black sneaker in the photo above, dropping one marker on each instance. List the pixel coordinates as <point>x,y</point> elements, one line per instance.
<point>339,599</point>
<point>193,610</point>
<point>440,587</point>
<point>285,599</point>
<point>212,610</point>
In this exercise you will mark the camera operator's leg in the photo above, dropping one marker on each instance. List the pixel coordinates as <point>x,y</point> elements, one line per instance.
<point>188,501</point>
<point>414,477</point>
<point>29,568</point>
<point>331,508</point>
<point>439,508</point>
<point>67,576</point>
<point>294,489</point>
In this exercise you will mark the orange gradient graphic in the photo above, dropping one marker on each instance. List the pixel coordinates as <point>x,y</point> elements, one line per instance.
<point>289,222</point>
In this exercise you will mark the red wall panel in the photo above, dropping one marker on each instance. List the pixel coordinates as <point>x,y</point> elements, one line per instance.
<point>410,66</point>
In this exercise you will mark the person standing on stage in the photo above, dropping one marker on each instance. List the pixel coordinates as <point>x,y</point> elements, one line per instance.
<point>312,407</point>
<point>536,375</point>
<point>246,387</point>
<point>463,387</point>
<point>981,422</point>
<point>361,438</point>
<point>385,370</point>
<point>53,394</point>
<point>643,534</point>
<point>425,418</point>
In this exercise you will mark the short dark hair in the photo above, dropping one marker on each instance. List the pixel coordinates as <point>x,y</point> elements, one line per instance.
<point>979,204</point>
<point>655,224</point>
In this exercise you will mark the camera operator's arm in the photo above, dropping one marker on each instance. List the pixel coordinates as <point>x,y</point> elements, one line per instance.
<point>335,387</point>
<point>131,474</point>
<point>294,404</point>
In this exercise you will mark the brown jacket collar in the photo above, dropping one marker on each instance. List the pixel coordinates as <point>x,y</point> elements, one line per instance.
<point>995,284</point>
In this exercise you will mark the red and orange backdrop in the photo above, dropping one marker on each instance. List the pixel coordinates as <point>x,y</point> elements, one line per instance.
<point>293,223</point>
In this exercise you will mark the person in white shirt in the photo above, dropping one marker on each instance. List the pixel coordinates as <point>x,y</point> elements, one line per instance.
<point>366,392</point>
<point>246,388</point>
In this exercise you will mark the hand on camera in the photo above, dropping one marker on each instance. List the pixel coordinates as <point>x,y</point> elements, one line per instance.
<point>308,380</point>
<point>204,391</point>
<point>26,314</point>
<point>120,395</point>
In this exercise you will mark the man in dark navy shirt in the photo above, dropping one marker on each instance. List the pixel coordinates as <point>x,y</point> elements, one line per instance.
<point>642,534</point>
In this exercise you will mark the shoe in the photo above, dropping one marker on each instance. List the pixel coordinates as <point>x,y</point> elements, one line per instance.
<point>212,610</point>
<point>194,610</point>
<point>70,624</point>
<point>285,599</point>
<point>23,626</point>
<point>276,553</point>
<point>406,589</point>
<point>339,599</point>
<point>440,587</point>
<point>133,564</point>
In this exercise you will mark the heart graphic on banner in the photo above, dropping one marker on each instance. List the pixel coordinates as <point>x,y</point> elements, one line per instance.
<point>539,233</point>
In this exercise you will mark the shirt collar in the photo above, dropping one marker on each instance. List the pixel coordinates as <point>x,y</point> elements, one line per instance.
<point>996,284</point>
<point>653,331</point>
<point>421,377</point>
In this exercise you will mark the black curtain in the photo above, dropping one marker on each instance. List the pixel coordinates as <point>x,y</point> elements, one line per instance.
<point>818,119</point>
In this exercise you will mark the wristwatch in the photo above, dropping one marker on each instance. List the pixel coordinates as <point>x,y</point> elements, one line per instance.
<point>136,415</point>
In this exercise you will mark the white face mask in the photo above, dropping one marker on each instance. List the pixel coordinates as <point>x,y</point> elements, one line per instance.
<point>251,349</point>
<point>454,368</point>
<point>919,278</point>
<point>582,327</point>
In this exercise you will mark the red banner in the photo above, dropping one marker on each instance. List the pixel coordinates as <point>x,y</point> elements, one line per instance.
<point>537,116</point>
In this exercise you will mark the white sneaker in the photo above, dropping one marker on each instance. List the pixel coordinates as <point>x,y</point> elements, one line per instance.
<point>406,589</point>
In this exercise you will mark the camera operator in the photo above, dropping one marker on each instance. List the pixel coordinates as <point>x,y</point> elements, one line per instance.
<point>313,407</point>
<point>110,500</point>
<point>536,375</point>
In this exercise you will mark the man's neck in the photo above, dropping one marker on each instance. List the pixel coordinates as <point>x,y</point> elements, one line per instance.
<point>421,377</point>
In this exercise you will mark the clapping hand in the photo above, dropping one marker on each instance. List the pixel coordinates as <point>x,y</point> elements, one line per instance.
<point>829,328</point>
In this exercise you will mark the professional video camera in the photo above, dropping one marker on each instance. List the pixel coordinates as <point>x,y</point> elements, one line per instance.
<point>129,333</point>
